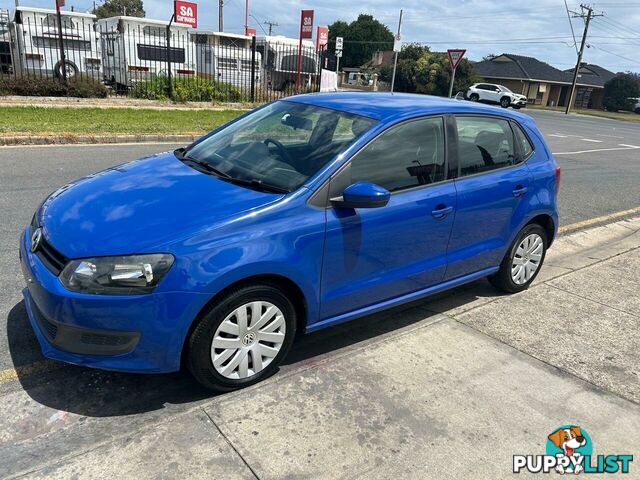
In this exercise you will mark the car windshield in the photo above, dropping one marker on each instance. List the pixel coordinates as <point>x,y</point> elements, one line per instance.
<point>505,89</point>
<point>278,147</point>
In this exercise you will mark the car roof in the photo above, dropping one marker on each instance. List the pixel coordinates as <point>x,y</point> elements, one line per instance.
<point>387,107</point>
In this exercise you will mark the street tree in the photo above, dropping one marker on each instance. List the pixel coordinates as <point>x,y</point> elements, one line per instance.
<point>422,71</point>
<point>363,37</point>
<point>621,92</point>
<point>114,8</point>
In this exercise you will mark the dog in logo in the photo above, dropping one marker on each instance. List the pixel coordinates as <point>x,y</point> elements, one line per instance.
<point>569,440</point>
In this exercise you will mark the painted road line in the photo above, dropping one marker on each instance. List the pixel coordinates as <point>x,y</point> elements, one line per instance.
<point>591,140</point>
<point>608,136</point>
<point>34,368</point>
<point>621,147</point>
<point>593,221</point>
<point>45,366</point>
<point>556,135</point>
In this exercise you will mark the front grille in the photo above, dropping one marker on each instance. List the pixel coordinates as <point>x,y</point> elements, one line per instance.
<point>48,255</point>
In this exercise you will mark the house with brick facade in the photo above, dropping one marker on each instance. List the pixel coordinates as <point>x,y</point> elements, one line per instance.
<point>544,84</point>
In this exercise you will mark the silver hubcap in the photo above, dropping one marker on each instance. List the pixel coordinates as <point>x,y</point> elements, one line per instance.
<point>527,258</point>
<point>248,340</point>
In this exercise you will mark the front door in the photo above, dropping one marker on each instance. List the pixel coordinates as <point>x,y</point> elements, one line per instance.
<point>377,254</point>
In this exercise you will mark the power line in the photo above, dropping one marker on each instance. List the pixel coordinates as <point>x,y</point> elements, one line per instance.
<point>617,55</point>
<point>575,44</point>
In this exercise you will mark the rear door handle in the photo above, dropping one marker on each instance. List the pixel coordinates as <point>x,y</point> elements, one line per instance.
<point>519,191</point>
<point>441,211</point>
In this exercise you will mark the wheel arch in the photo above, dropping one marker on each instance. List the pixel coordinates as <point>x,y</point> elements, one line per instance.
<point>546,222</point>
<point>287,285</point>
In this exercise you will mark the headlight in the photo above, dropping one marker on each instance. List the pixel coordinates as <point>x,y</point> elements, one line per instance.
<point>125,275</point>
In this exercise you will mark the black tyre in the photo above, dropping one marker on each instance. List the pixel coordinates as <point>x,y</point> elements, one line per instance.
<point>71,68</point>
<point>505,102</point>
<point>474,97</point>
<point>243,338</point>
<point>637,110</point>
<point>523,260</point>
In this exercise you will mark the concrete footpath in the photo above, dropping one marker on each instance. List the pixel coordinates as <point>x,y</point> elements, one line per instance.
<point>450,387</point>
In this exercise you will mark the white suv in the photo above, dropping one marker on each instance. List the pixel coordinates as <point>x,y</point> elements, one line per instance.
<point>492,93</point>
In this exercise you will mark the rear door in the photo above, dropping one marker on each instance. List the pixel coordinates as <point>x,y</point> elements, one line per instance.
<point>492,190</point>
<point>376,254</point>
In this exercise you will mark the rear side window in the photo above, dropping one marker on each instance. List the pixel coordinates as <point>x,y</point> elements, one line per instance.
<point>521,138</point>
<point>405,156</point>
<point>484,144</point>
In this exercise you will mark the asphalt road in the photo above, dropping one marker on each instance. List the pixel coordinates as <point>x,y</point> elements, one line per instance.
<point>600,159</point>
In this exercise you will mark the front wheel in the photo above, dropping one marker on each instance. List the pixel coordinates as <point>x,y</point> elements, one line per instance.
<point>505,102</point>
<point>243,338</point>
<point>523,260</point>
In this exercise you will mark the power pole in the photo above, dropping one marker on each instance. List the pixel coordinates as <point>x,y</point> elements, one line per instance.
<point>246,17</point>
<point>587,19</point>
<point>395,57</point>
<point>271,25</point>
<point>220,20</point>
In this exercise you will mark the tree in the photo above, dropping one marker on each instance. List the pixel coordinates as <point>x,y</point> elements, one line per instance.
<point>114,8</point>
<point>422,71</point>
<point>362,38</point>
<point>620,92</point>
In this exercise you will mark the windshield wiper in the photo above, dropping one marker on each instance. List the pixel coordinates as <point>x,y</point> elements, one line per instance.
<point>201,164</point>
<point>257,185</point>
<point>180,153</point>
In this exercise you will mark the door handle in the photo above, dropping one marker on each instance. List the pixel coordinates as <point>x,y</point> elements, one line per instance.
<point>441,211</point>
<point>519,191</point>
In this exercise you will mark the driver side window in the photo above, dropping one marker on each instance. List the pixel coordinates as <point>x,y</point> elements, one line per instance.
<point>405,156</point>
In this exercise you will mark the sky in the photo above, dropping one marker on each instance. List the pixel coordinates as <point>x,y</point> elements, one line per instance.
<point>536,28</point>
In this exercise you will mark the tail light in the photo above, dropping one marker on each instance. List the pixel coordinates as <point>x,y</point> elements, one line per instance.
<point>34,56</point>
<point>185,72</point>
<point>557,179</point>
<point>135,68</point>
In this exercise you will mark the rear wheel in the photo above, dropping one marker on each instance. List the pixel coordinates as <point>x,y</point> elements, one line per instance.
<point>474,97</point>
<point>523,260</point>
<point>505,102</point>
<point>243,338</point>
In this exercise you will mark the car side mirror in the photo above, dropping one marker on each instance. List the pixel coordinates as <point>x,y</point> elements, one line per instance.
<point>362,195</point>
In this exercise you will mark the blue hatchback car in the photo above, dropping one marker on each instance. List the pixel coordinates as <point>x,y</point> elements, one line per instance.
<point>299,215</point>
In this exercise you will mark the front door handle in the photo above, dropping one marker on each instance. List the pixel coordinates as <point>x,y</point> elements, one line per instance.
<point>519,191</point>
<point>441,211</point>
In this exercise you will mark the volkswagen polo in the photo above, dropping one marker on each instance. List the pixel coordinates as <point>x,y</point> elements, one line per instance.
<point>302,214</point>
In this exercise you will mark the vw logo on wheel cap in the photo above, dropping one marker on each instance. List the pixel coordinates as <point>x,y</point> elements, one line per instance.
<point>36,238</point>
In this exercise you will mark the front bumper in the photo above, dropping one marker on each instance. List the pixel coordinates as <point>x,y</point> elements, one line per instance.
<point>519,102</point>
<point>133,333</point>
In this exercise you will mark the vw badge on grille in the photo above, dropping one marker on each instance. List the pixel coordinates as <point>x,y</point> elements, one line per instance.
<point>36,238</point>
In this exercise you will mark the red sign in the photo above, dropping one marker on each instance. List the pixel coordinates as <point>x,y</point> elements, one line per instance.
<point>250,32</point>
<point>306,24</point>
<point>186,13</point>
<point>455,56</point>
<point>322,37</point>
